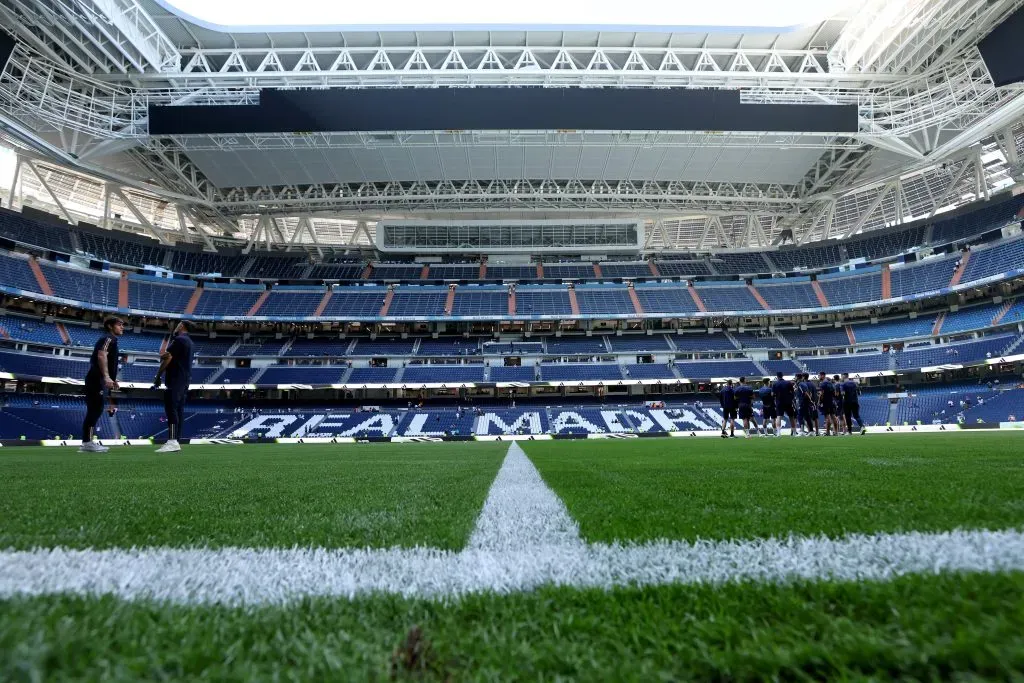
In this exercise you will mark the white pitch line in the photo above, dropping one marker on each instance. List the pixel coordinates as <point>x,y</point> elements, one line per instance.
<point>524,539</point>
<point>272,576</point>
<point>522,512</point>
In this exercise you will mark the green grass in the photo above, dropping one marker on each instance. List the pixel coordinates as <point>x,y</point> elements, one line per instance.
<point>921,628</point>
<point>375,495</point>
<point>711,488</point>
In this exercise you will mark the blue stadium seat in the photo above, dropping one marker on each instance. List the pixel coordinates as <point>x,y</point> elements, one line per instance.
<point>158,294</point>
<point>842,289</point>
<point>291,301</point>
<point>792,295</point>
<point>730,297</point>
<point>81,285</point>
<point>668,300</point>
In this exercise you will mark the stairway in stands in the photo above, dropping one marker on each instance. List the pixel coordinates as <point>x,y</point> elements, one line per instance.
<point>1013,346</point>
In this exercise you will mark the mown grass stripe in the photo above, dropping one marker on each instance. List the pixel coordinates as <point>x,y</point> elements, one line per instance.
<point>274,576</point>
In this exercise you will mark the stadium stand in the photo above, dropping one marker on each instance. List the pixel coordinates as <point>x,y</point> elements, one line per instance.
<point>842,289</point>
<point>604,300</point>
<point>488,302</point>
<point>228,299</point>
<point>795,293</point>
<point>729,296</point>
<point>291,302</point>
<point>81,285</point>
<point>159,294</point>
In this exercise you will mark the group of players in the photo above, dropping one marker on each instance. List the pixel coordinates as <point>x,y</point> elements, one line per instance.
<point>801,400</point>
<point>101,379</point>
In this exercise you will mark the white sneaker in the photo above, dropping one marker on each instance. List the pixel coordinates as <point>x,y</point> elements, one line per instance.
<point>92,447</point>
<point>171,446</point>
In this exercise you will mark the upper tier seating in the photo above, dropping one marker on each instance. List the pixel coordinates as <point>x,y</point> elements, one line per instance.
<point>639,342</point>
<point>627,270</point>
<point>396,271</point>
<point>449,346</point>
<point>212,348</point>
<point>884,243</point>
<point>971,318</point>
<point>682,268</point>
<point>732,297</point>
<point>570,372</point>
<point>29,330</point>
<point>413,301</point>
<point>237,376</point>
<point>700,342</point>
<point>707,369</point>
<point>758,340</point>
<point>844,289</point>
<point>928,276</point>
<point>964,352</point>
<point>306,348</point>
<point>471,301</point>
<point>81,285</point>
<point>453,271</point>
<point>576,345</point>
<point>994,214</point>
<point>336,271</point>
<point>44,365</point>
<point>816,337</point>
<point>545,301</point>
<point>278,266</point>
<point>383,347</point>
<point>233,300</point>
<point>355,302</point>
<point>890,330</point>
<point>443,373</point>
<point>196,262</point>
<point>568,271</point>
<point>604,300</point>
<point>648,371</point>
<point>158,294</point>
<point>740,263</point>
<point>787,367</point>
<point>667,300</point>
<point>789,295</point>
<point>125,249</point>
<point>372,376</point>
<point>857,363</point>
<point>47,234</point>
<point>806,258</point>
<point>512,374</point>
<point>259,347</point>
<point>511,272</point>
<point>87,337</point>
<point>995,260</point>
<point>292,302</point>
<point>16,273</point>
<point>302,374</point>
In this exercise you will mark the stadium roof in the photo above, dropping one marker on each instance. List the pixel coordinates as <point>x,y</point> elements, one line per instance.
<point>316,15</point>
<point>77,88</point>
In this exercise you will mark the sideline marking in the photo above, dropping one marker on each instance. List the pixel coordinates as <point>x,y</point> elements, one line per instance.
<point>523,539</point>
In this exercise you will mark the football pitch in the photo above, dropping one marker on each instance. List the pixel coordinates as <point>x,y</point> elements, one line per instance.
<point>634,559</point>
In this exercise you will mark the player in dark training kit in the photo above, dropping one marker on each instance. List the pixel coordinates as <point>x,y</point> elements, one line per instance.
<point>782,389</point>
<point>768,413</point>
<point>727,399</point>
<point>99,381</point>
<point>851,404</point>
<point>828,404</point>
<point>177,362</point>
<point>840,420</point>
<point>744,394</point>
